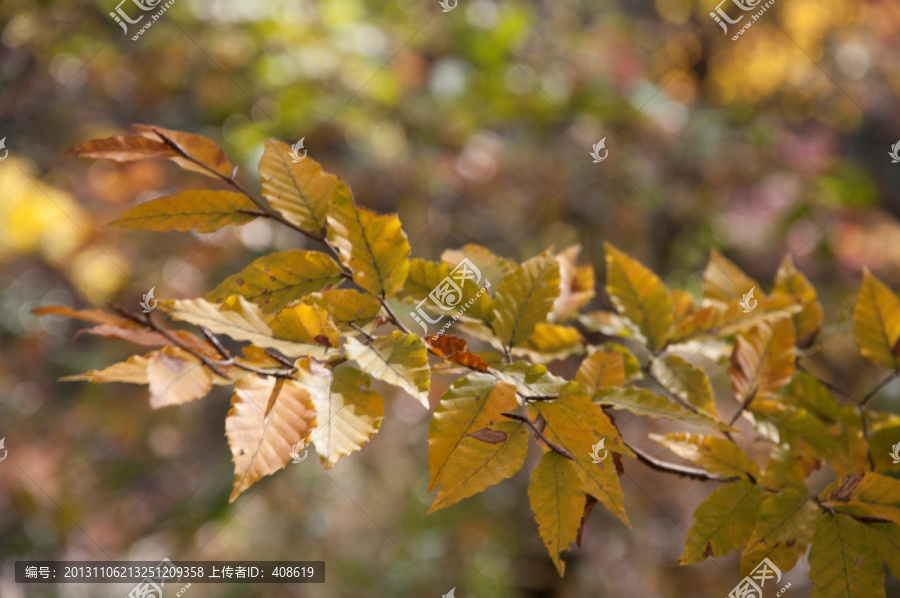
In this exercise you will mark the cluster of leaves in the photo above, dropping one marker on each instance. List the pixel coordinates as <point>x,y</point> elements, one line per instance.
<point>315,328</point>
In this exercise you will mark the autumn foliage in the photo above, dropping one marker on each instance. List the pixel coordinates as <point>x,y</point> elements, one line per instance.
<point>315,328</point>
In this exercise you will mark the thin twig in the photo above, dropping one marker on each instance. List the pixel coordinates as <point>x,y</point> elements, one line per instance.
<point>369,337</point>
<point>530,424</point>
<point>665,466</point>
<point>878,387</point>
<point>744,405</point>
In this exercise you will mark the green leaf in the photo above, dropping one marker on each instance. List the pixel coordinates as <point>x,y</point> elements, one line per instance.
<point>841,560</point>
<point>716,455</point>
<point>348,413</point>
<point>602,369</point>
<point>688,383</point>
<point>472,403</point>
<point>268,417</point>
<point>295,331</point>
<point>762,361</point>
<point>557,501</point>
<point>276,280</point>
<point>398,359</point>
<point>722,522</point>
<point>576,424</point>
<point>204,211</point>
<point>876,322</point>
<point>639,295</point>
<point>642,401</point>
<point>783,531</point>
<point>872,495</point>
<point>373,247</point>
<point>805,392</point>
<point>808,322</point>
<point>299,191</point>
<point>524,298</point>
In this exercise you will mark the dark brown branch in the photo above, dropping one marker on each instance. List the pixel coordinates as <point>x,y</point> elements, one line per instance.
<point>666,467</point>
<point>554,447</point>
<point>744,406</point>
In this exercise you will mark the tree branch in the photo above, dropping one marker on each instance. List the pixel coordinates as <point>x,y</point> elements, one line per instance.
<point>554,447</point>
<point>666,467</point>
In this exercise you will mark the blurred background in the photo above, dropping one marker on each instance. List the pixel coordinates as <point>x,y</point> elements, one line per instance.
<point>475,126</point>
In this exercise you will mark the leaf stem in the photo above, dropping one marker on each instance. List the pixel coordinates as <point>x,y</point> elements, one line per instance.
<point>666,467</point>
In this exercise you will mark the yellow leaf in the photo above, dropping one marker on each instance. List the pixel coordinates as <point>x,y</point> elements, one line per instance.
<point>876,322</point>
<point>642,401</point>
<point>763,360</point>
<point>532,380</point>
<point>720,319</point>
<point>472,403</point>
<point>808,321</point>
<point>374,247</point>
<point>601,370</point>
<point>268,417</point>
<point>176,377</point>
<point>276,280</point>
<point>842,561</point>
<point>204,211</point>
<point>196,147</point>
<point>576,424</point>
<point>724,282</point>
<point>446,289</point>
<point>307,324</point>
<point>551,342</point>
<point>493,267</point>
<point>349,414</point>
<point>133,371</point>
<point>299,191</point>
<point>346,306</point>
<point>524,298</point>
<point>716,455</point>
<point>557,501</point>
<point>688,383</point>
<point>639,295</point>
<point>683,303</point>
<point>576,285</point>
<point>869,495</point>
<point>722,522</point>
<point>243,321</point>
<point>399,359</point>
<point>783,531</point>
